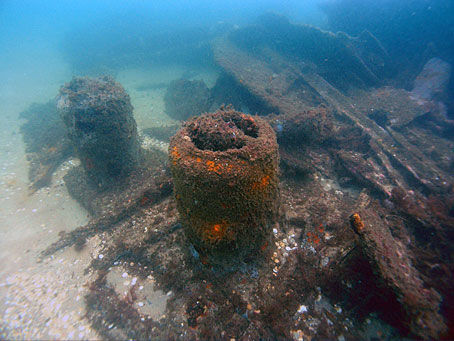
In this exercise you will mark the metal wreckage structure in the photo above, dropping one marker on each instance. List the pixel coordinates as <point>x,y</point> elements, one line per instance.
<point>333,207</point>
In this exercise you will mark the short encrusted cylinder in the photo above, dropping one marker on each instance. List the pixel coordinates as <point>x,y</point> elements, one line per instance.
<point>225,171</point>
<point>97,113</point>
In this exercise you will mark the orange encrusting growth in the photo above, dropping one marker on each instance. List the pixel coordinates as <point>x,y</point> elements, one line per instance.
<point>262,184</point>
<point>213,167</point>
<point>248,118</point>
<point>357,223</point>
<point>218,168</point>
<point>313,238</point>
<point>215,232</point>
<point>175,155</point>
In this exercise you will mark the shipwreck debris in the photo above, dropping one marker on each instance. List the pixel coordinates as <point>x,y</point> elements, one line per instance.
<point>375,144</point>
<point>185,98</point>
<point>229,90</point>
<point>318,277</point>
<point>115,207</point>
<point>46,143</point>
<point>225,169</point>
<point>393,263</point>
<point>97,113</point>
<point>344,61</point>
<point>270,74</point>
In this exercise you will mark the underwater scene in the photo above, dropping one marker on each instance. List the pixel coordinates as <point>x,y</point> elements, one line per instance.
<point>236,170</point>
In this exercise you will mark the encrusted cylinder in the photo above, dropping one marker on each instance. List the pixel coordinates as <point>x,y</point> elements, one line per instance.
<point>97,113</point>
<point>225,171</point>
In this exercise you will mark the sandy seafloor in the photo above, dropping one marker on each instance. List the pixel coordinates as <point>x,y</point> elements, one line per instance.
<point>45,299</point>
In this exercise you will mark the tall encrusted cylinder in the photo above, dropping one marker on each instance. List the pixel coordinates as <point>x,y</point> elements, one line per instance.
<point>97,113</point>
<point>225,171</point>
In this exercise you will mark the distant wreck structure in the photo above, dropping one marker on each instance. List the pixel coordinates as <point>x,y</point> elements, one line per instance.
<point>97,114</point>
<point>185,98</point>
<point>345,62</point>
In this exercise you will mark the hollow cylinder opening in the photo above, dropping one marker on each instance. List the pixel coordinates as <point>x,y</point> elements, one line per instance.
<point>222,132</point>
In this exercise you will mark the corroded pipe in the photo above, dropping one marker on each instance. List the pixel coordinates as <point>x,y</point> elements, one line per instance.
<point>225,171</point>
